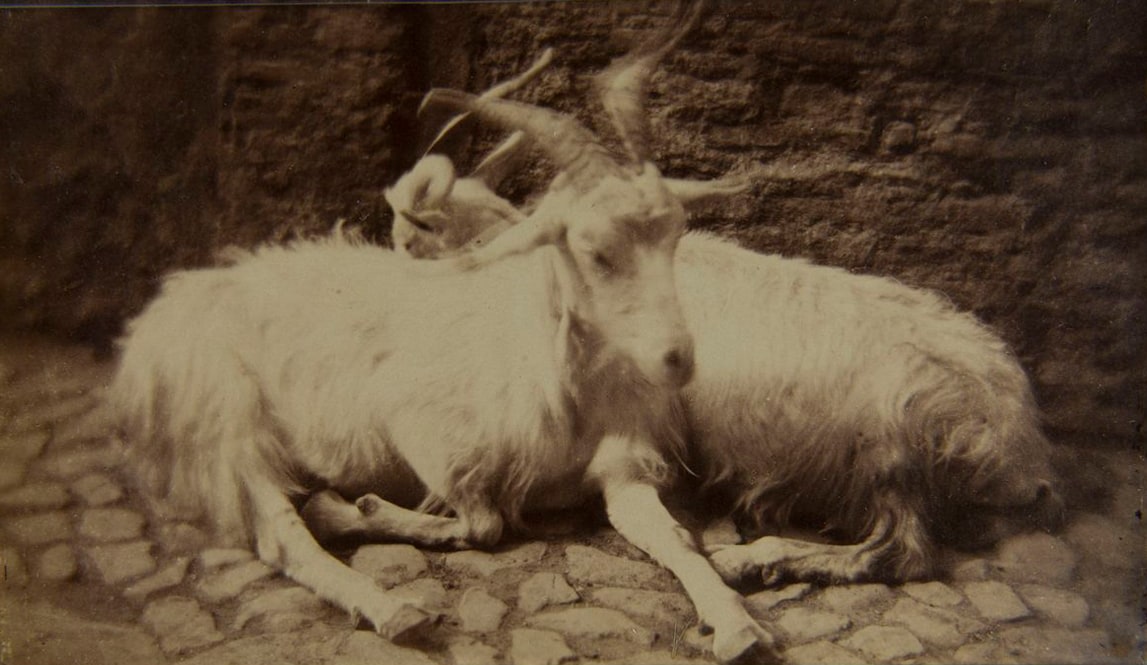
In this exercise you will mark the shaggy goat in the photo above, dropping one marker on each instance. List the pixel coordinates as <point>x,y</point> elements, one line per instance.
<point>538,370</point>
<point>872,410</point>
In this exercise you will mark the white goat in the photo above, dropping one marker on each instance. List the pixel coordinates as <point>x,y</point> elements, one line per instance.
<point>869,409</point>
<point>430,193</point>
<point>533,372</point>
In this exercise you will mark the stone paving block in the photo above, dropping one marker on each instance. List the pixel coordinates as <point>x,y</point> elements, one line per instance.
<point>1063,607</point>
<point>181,538</point>
<point>280,610</point>
<point>538,647</point>
<point>996,601</point>
<point>802,624</point>
<point>41,529</point>
<point>762,601</point>
<point>313,644</point>
<point>933,593</point>
<point>122,562</point>
<point>109,525</point>
<point>656,657</point>
<point>1105,541</point>
<point>389,565</point>
<point>22,448</point>
<point>465,650</point>
<point>822,653</point>
<point>589,565</point>
<point>1035,557</point>
<point>366,647</point>
<point>972,570</point>
<point>934,625</point>
<point>1036,644</point>
<point>884,642</point>
<point>46,635</point>
<point>662,606</point>
<point>180,624</point>
<point>545,589</point>
<point>854,598</point>
<point>981,653</point>
<point>12,474</point>
<point>592,623</point>
<point>97,489</point>
<point>51,412</point>
<point>166,577</point>
<point>480,612</point>
<point>37,496</point>
<point>12,570</point>
<point>214,558</point>
<point>484,564</point>
<point>81,461</point>
<point>57,564</point>
<point>230,582</point>
<point>95,424</point>
<point>425,592</point>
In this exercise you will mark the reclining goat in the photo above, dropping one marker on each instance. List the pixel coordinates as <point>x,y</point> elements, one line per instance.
<point>536,371</point>
<point>854,404</point>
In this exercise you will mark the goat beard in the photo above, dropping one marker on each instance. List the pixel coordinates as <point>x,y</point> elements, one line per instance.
<point>611,396</point>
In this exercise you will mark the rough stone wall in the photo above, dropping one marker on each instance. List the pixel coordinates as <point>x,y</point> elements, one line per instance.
<point>995,151</point>
<point>106,121</point>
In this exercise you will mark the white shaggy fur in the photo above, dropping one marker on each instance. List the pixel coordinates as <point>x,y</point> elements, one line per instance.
<point>871,410</point>
<point>533,372</point>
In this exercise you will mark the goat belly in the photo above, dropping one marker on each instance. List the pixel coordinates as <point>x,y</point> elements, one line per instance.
<point>333,362</point>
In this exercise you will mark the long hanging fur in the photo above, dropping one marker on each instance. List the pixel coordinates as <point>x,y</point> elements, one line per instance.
<point>819,394</point>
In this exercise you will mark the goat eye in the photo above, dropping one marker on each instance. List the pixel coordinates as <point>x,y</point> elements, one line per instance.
<point>602,262</point>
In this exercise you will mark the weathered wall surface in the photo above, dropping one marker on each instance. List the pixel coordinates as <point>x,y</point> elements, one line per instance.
<point>996,151</point>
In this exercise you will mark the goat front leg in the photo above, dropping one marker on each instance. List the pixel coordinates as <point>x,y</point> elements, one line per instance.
<point>371,518</point>
<point>283,541</point>
<point>897,549</point>
<point>635,509</point>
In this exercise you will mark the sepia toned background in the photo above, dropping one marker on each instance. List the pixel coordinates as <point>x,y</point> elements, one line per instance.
<point>995,151</point>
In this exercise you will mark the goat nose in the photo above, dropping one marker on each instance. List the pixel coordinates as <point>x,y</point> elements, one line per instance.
<point>679,362</point>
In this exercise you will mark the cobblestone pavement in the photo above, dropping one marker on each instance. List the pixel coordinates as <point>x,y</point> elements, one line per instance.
<point>91,576</point>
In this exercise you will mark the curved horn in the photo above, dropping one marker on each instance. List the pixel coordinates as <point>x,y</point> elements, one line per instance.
<point>572,147</point>
<point>622,86</point>
<point>502,161</point>
<point>500,90</point>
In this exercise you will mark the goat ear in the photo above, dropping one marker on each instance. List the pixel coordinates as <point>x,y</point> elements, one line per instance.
<point>691,192</point>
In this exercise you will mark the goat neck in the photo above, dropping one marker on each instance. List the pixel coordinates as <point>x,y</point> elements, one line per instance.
<point>616,227</point>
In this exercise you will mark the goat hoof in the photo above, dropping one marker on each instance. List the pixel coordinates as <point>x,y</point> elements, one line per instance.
<point>732,563</point>
<point>748,644</point>
<point>406,623</point>
<point>367,504</point>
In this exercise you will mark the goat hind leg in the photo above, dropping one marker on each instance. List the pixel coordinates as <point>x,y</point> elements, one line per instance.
<point>895,550</point>
<point>283,541</point>
<point>775,559</point>
<point>374,519</point>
